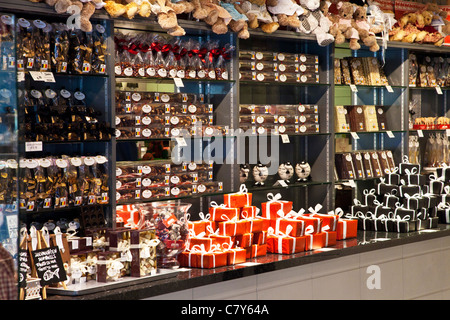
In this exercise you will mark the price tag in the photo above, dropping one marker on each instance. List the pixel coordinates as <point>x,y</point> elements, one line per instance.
<point>37,76</point>
<point>420,133</point>
<point>178,82</point>
<point>389,88</point>
<point>447,132</point>
<point>285,138</point>
<point>352,183</point>
<point>438,90</point>
<point>354,135</point>
<point>353,87</point>
<point>282,183</point>
<point>181,142</point>
<point>390,134</point>
<point>34,146</point>
<point>48,76</point>
<point>20,76</point>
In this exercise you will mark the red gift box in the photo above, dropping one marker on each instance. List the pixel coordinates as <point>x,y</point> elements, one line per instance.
<point>249,212</point>
<point>271,207</point>
<point>254,224</point>
<point>222,212</point>
<point>312,224</point>
<point>329,219</point>
<point>347,228</point>
<point>221,240</point>
<point>256,250</point>
<point>200,225</point>
<point>239,199</point>
<point>236,255</point>
<point>199,240</point>
<point>260,237</point>
<point>285,244</point>
<point>244,240</point>
<point>188,259</point>
<point>296,226</point>
<point>329,238</point>
<point>314,241</point>
<point>209,260</point>
<point>233,227</point>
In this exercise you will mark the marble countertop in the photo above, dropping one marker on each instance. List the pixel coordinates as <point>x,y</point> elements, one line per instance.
<point>193,277</point>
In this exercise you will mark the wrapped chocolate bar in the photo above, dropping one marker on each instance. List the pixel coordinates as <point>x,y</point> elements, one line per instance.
<point>346,74</point>
<point>376,165</point>
<point>357,70</point>
<point>307,108</point>
<point>25,45</point>
<point>358,164</point>
<point>370,117</point>
<point>287,77</point>
<point>307,128</point>
<point>342,121</point>
<point>80,51</point>
<point>257,55</point>
<point>307,77</point>
<point>381,118</point>
<point>367,163</point>
<point>155,192</point>
<point>356,116</point>
<point>344,164</point>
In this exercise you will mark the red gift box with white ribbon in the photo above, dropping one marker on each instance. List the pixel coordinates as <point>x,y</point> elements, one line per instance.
<point>222,212</point>
<point>232,227</point>
<point>285,222</point>
<point>256,250</point>
<point>284,243</point>
<point>331,219</point>
<point>239,199</point>
<point>199,225</point>
<point>271,207</point>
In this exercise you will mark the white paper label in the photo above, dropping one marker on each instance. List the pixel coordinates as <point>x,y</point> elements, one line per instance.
<point>390,134</point>
<point>34,146</point>
<point>178,82</point>
<point>354,135</point>
<point>285,138</point>
<point>353,88</point>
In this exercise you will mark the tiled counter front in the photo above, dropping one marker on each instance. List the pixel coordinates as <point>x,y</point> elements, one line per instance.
<point>375,265</point>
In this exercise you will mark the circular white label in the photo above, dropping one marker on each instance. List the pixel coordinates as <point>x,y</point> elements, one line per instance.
<point>281,119</point>
<point>146,120</point>
<point>66,94</point>
<point>201,74</point>
<point>260,119</point>
<point>36,94</point>
<point>75,161</point>
<point>7,19</point>
<point>283,78</point>
<point>146,194</point>
<point>31,163</point>
<point>45,163</point>
<point>201,188</point>
<point>225,75</point>
<point>302,58</point>
<point>259,55</point>
<point>117,120</point>
<point>175,191</point>
<point>117,70</point>
<point>303,78</point>
<point>212,74</point>
<point>301,108</point>
<point>302,68</point>
<point>260,77</point>
<point>151,72</point>
<point>191,74</point>
<point>146,108</point>
<point>174,120</point>
<point>136,96</point>
<point>175,132</point>
<point>128,71</point>
<point>172,73</point>
<point>209,131</point>
<point>118,133</point>
<point>374,155</point>
<point>89,161</point>
<point>192,108</point>
<point>359,110</point>
<point>281,67</point>
<point>118,172</point>
<point>175,179</point>
<point>281,57</point>
<point>302,129</point>
<point>162,72</point>
<point>146,132</point>
<point>100,28</point>
<point>146,182</point>
<point>24,23</point>
<point>117,195</point>
<point>146,169</point>
<point>61,163</point>
<point>367,156</point>
<point>180,74</point>
<point>118,184</point>
<point>39,24</point>
<point>165,98</point>
<point>79,95</point>
<point>380,111</point>
<point>348,157</point>
<point>141,72</point>
<point>281,129</point>
<point>302,118</point>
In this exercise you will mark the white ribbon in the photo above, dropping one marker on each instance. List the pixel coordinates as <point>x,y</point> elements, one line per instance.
<point>280,235</point>
<point>398,219</point>
<point>227,220</point>
<point>242,190</point>
<point>316,209</point>
<point>272,199</point>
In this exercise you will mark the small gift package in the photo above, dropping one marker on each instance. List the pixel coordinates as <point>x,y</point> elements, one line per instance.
<point>77,244</point>
<point>235,255</point>
<point>401,211</point>
<point>413,177</point>
<point>358,207</point>
<point>311,222</point>
<point>445,196</point>
<point>391,176</point>
<point>274,203</point>
<point>405,164</point>
<point>249,211</point>
<point>347,226</point>
<point>404,224</point>
<point>382,187</point>
<point>436,184</point>
<point>143,251</point>
<point>199,239</point>
<point>429,200</point>
<point>288,221</point>
<point>219,238</point>
<point>239,199</point>
<point>222,212</point>
<point>244,240</point>
<point>82,267</point>
<point>443,212</point>
<point>313,240</point>
<point>329,237</point>
<point>256,250</point>
<point>260,237</point>
<point>381,222</point>
<point>119,241</point>
<point>379,209</point>
<point>366,221</point>
<point>412,201</point>
<point>199,225</point>
<point>213,258</point>
<point>254,222</point>
<point>369,196</point>
<point>284,243</point>
<point>444,173</point>
<point>424,221</point>
<point>232,227</point>
<point>329,221</point>
<point>390,199</point>
<point>188,258</point>
<point>404,188</point>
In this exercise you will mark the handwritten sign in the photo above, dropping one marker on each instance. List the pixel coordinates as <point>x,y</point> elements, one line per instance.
<point>49,265</point>
<point>23,268</point>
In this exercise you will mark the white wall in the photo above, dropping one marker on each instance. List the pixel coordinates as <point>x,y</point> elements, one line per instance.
<point>419,270</point>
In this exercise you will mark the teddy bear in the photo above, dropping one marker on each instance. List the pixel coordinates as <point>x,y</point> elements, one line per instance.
<point>86,10</point>
<point>258,16</point>
<point>287,12</point>
<point>345,24</point>
<point>365,30</point>
<point>314,21</point>
<point>239,20</point>
<point>167,18</point>
<point>334,30</point>
<point>218,18</point>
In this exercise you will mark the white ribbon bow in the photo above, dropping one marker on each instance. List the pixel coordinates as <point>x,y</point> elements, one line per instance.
<point>316,209</point>
<point>273,198</point>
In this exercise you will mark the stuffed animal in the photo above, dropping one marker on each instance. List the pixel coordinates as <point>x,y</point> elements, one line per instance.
<point>239,20</point>
<point>314,21</point>
<point>260,174</point>
<point>258,16</point>
<point>365,30</point>
<point>286,12</point>
<point>167,18</point>
<point>244,172</point>
<point>218,18</point>
<point>334,30</point>
<point>345,24</point>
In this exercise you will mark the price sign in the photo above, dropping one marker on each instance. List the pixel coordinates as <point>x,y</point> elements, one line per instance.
<point>390,134</point>
<point>285,138</point>
<point>389,88</point>
<point>353,88</point>
<point>34,146</point>
<point>48,76</point>
<point>178,82</point>
<point>354,135</point>
<point>23,268</point>
<point>49,265</point>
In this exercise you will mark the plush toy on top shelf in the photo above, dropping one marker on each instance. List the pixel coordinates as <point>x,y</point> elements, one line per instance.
<point>365,30</point>
<point>334,30</point>
<point>345,24</point>
<point>239,20</point>
<point>218,18</point>
<point>287,12</point>
<point>258,16</point>
<point>314,21</point>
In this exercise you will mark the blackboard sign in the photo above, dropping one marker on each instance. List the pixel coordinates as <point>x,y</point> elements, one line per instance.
<point>23,268</point>
<point>49,265</point>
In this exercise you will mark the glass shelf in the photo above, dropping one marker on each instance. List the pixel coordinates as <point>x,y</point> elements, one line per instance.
<point>170,80</point>
<point>290,185</point>
<point>268,83</point>
<point>369,86</point>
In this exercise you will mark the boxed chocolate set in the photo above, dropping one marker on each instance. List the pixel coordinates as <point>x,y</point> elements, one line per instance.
<point>360,118</point>
<point>428,71</point>
<point>278,67</point>
<point>359,71</point>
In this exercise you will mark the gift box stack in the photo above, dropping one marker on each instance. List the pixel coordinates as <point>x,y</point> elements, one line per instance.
<point>404,200</point>
<point>229,234</point>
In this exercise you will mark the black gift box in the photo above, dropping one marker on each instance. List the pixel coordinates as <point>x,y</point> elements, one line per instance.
<point>405,189</point>
<point>381,225</point>
<point>436,187</point>
<point>402,212</point>
<point>390,200</point>
<point>369,197</point>
<point>354,209</point>
<point>443,215</point>
<point>392,178</point>
<point>381,210</point>
<point>429,200</point>
<point>414,179</point>
<point>422,213</point>
<point>383,188</point>
<point>404,226</point>
<point>408,166</point>
<point>443,173</point>
<point>412,202</point>
<point>445,197</point>
<point>428,223</point>
<point>366,224</point>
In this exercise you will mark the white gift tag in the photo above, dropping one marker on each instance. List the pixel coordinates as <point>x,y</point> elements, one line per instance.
<point>420,133</point>
<point>181,142</point>
<point>389,88</point>
<point>34,146</point>
<point>285,138</point>
<point>178,82</point>
<point>352,183</point>
<point>438,89</point>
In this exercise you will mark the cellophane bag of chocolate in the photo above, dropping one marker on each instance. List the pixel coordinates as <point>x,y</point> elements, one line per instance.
<point>7,43</point>
<point>25,45</point>
<point>99,50</point>
<point>60,48</point>
<point>42,33</point>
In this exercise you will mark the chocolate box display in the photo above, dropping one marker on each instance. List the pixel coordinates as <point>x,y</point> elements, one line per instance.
<point>370,117</point>
<point>381,118</point>
<point>357,120</point>
<point>342,121</point>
